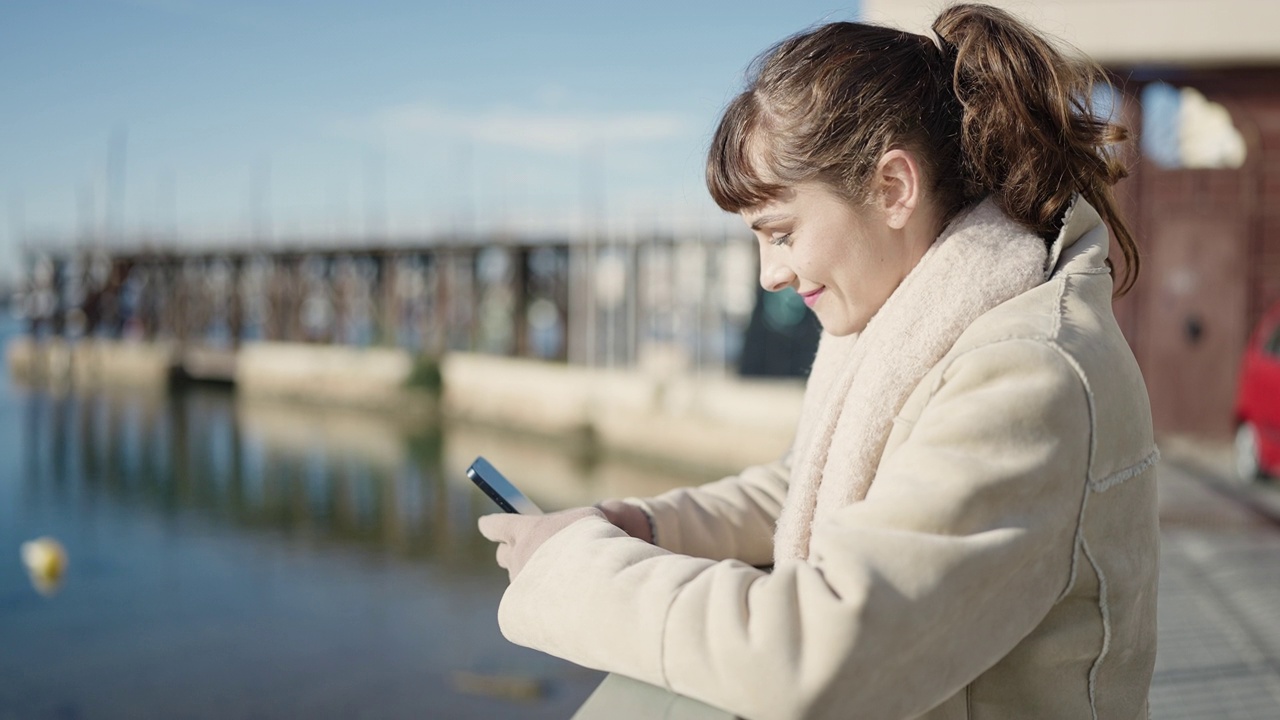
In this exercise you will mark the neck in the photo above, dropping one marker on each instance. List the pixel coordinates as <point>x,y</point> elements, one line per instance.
<point>922,227</point>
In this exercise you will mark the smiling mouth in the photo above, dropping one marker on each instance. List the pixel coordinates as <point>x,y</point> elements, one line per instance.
<point>811,297</point>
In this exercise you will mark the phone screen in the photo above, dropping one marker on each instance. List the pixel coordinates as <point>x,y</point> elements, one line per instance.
<point>497,487</point>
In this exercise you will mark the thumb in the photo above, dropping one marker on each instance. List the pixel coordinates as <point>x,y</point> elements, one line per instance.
<point>498,527</point>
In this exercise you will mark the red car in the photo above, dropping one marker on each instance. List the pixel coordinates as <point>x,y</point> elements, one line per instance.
<point>1258,402</point>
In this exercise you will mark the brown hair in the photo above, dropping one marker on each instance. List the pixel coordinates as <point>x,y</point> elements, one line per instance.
<point>992,109</point>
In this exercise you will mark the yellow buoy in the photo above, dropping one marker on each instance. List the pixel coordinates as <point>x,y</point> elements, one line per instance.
<point>46,561</point>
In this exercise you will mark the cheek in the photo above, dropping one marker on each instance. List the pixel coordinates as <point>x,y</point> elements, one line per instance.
<point>844,269</point>
<point>828,261</point>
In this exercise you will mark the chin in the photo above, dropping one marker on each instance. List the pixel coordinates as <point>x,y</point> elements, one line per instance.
<point>843,327</point>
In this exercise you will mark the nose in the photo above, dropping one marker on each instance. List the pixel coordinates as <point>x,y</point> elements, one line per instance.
<point>774,275</point>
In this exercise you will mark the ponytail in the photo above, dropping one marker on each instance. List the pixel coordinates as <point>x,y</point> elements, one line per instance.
<point>991,110</point>
<point>1028,132</point>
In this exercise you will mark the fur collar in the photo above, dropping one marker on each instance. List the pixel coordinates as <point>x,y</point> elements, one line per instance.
<point>860,382</point>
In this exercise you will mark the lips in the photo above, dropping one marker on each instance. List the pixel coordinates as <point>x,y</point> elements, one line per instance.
<point>811,297</point>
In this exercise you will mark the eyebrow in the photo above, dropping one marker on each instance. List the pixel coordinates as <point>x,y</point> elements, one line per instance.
<point>766,220</point>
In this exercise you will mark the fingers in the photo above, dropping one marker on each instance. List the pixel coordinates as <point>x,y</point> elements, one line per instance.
<point>519,536</point>
<point>631,519</point>
<point>568,517</point>
<point>613,510</point>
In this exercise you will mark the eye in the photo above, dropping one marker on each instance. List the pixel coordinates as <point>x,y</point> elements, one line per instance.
<point>783,240</point>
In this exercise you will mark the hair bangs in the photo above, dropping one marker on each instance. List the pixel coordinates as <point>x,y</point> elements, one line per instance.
<point>734,161</point>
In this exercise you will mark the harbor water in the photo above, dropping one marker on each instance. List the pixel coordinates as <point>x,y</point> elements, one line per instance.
<point>234,559</point>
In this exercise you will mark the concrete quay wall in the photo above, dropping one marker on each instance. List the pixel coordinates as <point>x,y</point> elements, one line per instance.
<point>371,377</point>
<point>715,422</point>
<point>89,363</point>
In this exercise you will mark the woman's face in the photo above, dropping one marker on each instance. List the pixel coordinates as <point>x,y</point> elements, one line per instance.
<point>845,260</point>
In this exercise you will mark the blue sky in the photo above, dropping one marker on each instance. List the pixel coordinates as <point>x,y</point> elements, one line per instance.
<point>304,118</point>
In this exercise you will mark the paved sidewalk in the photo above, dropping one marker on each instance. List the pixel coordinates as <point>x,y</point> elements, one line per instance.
<point>1219,616</point>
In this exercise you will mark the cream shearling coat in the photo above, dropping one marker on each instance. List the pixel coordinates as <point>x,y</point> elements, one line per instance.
<point>1002,565</point>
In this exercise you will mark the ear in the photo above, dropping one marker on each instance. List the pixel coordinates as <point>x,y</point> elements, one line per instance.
<point>900,185</point>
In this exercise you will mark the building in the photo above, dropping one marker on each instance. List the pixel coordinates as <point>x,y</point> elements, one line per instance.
<point>1200,82</point>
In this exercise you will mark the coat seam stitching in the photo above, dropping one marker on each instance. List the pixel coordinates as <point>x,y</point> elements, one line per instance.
<point>1038,338</point>
<point>1088,474</point>
<point>1059,309</point>
<point>1126,474</point>
<point>1105,613</point>
<point>1089,399</point>
<point>1075,547</point>
<point>666,628</point>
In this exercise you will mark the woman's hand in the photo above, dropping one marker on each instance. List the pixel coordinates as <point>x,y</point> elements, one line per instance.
<point>520,536</point>
<point>629,518</point>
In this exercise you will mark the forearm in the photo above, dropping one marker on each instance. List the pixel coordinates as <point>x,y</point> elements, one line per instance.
<point>732,518</point>
<point>804,641</point>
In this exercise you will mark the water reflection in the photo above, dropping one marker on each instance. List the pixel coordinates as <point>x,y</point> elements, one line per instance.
<point>322,474</point>
<point>314,475</point>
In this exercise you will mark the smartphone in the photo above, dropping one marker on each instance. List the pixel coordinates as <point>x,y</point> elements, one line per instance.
<point>497,487</point>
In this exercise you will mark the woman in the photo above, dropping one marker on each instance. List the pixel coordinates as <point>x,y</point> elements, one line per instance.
<point>966,524</point>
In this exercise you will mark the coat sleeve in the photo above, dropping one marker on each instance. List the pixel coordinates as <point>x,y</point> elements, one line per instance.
<point>732,518</point>
<point>961,548</point>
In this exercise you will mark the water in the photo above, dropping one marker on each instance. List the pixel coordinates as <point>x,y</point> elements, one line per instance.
<point>230,559</point>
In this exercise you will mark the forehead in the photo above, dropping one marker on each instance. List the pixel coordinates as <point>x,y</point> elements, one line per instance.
<point>806,198</point>
<point>783,203</point>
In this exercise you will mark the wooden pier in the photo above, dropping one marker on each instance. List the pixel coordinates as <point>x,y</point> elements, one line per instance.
<point>612,302</point>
